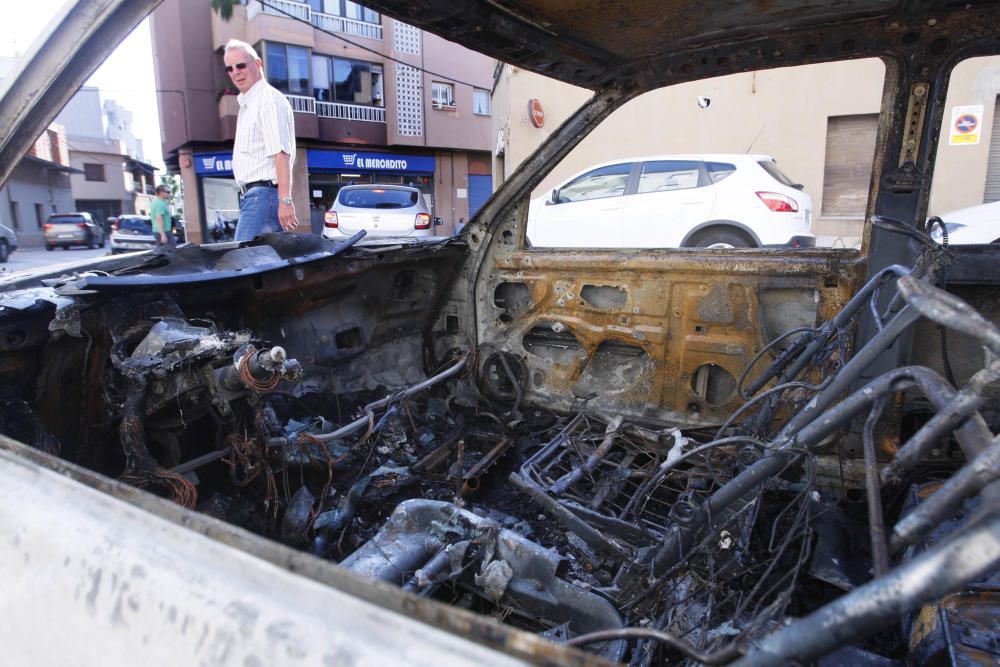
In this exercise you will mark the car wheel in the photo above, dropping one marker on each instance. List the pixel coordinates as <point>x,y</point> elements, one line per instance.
<point>65,247</point>
<point>91,242</point>
<point>49,246</point>
<point>4,250</point>
<point>721,238</point>
<point>102,241</point>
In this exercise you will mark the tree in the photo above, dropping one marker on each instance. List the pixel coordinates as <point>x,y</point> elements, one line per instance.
<point>224,7</point>
<point>173,182</point>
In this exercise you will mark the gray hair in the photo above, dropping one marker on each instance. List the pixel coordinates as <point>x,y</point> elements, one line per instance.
<point>238,44</point>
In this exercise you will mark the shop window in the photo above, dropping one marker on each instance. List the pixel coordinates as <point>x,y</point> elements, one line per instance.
<point>287,68</point>
<point>93,172</point>
<point>442,95</point>
<point>481,102</point>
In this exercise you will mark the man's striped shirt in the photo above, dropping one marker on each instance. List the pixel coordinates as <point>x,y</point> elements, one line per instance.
<point>265,127</point>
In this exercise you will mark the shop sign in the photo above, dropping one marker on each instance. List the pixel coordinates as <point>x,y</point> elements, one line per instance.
<point>213,164</point>
<point>379,162</point>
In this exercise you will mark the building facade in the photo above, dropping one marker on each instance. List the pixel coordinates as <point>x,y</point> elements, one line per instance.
<point>38,187</point>
<point>375,101</point>
<point>819,122</point>
<point>111,177</point>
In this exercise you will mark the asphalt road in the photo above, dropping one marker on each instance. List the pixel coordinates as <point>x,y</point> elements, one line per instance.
<point>35,258</point>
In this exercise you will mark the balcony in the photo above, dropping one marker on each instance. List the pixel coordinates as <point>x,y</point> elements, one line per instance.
<point>302,104</point>
<point>332,23</point>
<point>350,112</point>
<point>298,10</point>
<point>327,22</point>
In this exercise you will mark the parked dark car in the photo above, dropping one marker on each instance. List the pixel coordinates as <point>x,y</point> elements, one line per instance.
<point>66,230</point>
<point>8,242</point>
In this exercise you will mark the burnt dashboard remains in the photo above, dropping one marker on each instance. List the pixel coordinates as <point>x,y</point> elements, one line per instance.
<point>310,404</point>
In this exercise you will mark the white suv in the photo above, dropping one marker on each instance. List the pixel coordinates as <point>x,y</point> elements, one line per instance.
<point>675,201</point>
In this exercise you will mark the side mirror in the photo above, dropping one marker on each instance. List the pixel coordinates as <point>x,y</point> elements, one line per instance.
<point>555,197</point>
<point>798,186</point>
<point>438,222</point>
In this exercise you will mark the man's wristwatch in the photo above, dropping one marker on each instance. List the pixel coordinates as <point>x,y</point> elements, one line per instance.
<point>287,201</point>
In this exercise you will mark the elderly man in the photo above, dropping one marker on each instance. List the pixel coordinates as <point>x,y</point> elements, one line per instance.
<point>264,150</point>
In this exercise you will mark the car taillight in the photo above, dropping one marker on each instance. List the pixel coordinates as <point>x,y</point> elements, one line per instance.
<point>47,226</point>
<point>114,226</point>
<point>330,220</point>
<point>81,225</point>
<point>778,202</point>
<point>423,221</point>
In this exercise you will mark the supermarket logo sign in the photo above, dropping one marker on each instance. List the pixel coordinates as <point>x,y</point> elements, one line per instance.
<point>400,163</point>
<point>374,163</point>
<point>214,163</point>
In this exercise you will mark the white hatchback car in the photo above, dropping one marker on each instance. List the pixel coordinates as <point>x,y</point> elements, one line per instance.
<point>380,210</point>
<point>675,201</point>
<point>975,225</point>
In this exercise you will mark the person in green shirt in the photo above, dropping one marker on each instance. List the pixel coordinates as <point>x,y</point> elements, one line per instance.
<point>159,211</point>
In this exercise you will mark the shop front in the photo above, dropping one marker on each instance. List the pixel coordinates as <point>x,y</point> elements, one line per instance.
<point>330,170</point>
<point>219,193</point>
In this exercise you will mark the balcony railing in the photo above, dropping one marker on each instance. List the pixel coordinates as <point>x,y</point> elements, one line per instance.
<point>350,112</point>
<point>302,104</point>
<point>299,10</point>
<point>333,23</point>
<point>328,22</point>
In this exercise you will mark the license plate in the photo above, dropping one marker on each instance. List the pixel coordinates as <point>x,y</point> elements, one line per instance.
<point>65,236</point>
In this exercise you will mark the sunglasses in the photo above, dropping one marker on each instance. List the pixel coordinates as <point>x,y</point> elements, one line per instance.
<point>239,66</point>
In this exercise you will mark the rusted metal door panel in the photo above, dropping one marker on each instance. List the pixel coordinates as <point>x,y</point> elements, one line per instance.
<point>655,335</point>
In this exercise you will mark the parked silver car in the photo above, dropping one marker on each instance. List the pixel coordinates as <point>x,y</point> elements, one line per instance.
<point>131,233</point>
<point>72,229</point>
<point>380,210</point>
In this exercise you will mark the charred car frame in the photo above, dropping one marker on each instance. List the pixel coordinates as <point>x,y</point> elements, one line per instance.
<point>470,450</point>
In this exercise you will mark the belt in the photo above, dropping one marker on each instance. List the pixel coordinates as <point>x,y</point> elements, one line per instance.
<point>257,184</point>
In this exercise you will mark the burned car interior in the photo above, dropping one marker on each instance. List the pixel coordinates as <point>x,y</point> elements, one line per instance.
<point>650,457</point>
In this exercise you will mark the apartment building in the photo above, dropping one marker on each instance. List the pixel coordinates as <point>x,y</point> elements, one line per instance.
<point>111,177</point>
<point>818,121</point>
<point>375,101</point>
<point>38,187</point>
